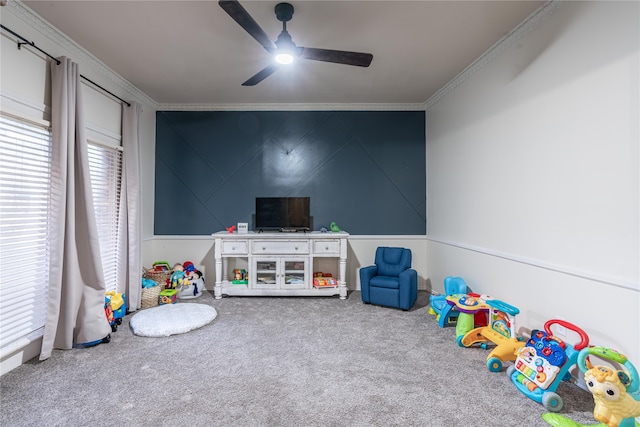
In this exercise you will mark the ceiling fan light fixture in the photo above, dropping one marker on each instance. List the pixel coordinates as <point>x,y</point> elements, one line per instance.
<point>286,49</point>
<point>284,58</point>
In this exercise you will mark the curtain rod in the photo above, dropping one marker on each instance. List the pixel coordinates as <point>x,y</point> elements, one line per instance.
<point>32,44</point>
<point>110,93</point>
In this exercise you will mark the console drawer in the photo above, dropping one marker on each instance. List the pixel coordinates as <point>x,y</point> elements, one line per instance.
<point>326,247</point>
<point>280,247</point>
<point>234,247</point>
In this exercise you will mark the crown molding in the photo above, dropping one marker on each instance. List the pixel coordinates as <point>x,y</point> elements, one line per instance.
<point>74,50</point>
<point>291,107</point>
<point>531,22</point>
<point>515,35</point>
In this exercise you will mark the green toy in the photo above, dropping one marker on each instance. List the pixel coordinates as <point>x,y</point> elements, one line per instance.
<point>558,420</point>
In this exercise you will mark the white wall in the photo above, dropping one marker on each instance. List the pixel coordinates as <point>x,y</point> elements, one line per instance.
<point>533,177</point>
<point>25,91</point>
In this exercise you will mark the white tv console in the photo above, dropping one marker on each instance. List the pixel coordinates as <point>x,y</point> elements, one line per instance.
<point>279,263</point>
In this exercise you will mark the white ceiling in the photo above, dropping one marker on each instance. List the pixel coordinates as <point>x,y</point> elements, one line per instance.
<point>192,52</point>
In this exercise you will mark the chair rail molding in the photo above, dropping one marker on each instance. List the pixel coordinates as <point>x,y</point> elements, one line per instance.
<point>558,268</point>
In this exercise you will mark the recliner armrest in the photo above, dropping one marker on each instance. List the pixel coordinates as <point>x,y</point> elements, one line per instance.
<point>408,288</point>
<point>366,273</point>
<point>408,274</point>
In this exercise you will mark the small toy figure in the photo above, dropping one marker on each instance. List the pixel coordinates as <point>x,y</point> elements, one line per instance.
<point>177,277</point>
<point>231,229</point>
<point>334,227</point>
<point>239,276</point>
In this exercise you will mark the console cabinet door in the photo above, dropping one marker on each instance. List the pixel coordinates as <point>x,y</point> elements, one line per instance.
<point>266,273</point>
<point>294,273</point>
<point>281,272</point>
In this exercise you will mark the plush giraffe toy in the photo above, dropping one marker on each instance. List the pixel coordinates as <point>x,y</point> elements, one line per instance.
<point>609,389</point>
<point>615,392</point>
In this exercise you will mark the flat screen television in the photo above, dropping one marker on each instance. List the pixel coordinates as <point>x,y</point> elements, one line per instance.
<point>282,213</point>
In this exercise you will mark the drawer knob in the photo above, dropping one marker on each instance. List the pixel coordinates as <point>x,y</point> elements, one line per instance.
<point>296,248</point>
<point>326,248</point>
<point>263,248</point>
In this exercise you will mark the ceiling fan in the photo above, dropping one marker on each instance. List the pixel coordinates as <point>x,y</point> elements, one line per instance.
<point>284,50</point>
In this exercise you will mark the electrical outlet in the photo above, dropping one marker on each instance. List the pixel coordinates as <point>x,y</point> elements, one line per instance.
<point>560,330</point>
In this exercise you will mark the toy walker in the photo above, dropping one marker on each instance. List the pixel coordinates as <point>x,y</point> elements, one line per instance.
<point>615,392</point>
<point>544,362</point>
<point>501,331</point>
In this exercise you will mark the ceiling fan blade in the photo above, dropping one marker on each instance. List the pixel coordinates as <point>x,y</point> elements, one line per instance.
<point>261,75</point>
<point>338,56</point>
<point>242,17</point>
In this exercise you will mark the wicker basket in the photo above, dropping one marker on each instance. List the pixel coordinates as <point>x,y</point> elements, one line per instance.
<point>160,277</point>
<point>150,296</point>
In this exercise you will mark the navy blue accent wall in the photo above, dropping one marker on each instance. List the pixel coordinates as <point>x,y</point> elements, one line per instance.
<point>365,170</point>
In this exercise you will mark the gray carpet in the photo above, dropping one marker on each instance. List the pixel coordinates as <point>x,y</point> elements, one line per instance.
<point>279,362</point>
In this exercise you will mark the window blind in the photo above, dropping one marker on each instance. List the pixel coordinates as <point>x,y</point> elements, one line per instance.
<point>25,170</point>
<point>105,166</point>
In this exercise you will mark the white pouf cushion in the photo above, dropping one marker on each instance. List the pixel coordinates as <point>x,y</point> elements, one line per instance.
<point>171,319</point>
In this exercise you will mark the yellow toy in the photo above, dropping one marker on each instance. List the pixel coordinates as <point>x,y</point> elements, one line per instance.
<point>116,300</point>
<point>501,331</point>
<point>115,307</point>
<point>615,392</point>
<point>613,403</point>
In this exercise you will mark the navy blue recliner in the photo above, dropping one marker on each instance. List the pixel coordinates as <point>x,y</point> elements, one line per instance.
<point>391,282</point>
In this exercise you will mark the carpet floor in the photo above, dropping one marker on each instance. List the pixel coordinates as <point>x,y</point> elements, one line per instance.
<point>279,362</point>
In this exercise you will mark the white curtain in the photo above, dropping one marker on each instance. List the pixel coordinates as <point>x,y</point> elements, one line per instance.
<point>130,218</point>
<point>75,305</point>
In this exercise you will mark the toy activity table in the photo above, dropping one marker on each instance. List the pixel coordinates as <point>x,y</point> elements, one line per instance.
<point>473,312</point>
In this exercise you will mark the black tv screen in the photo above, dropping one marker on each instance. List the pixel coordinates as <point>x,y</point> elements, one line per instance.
<point>282,213</point>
